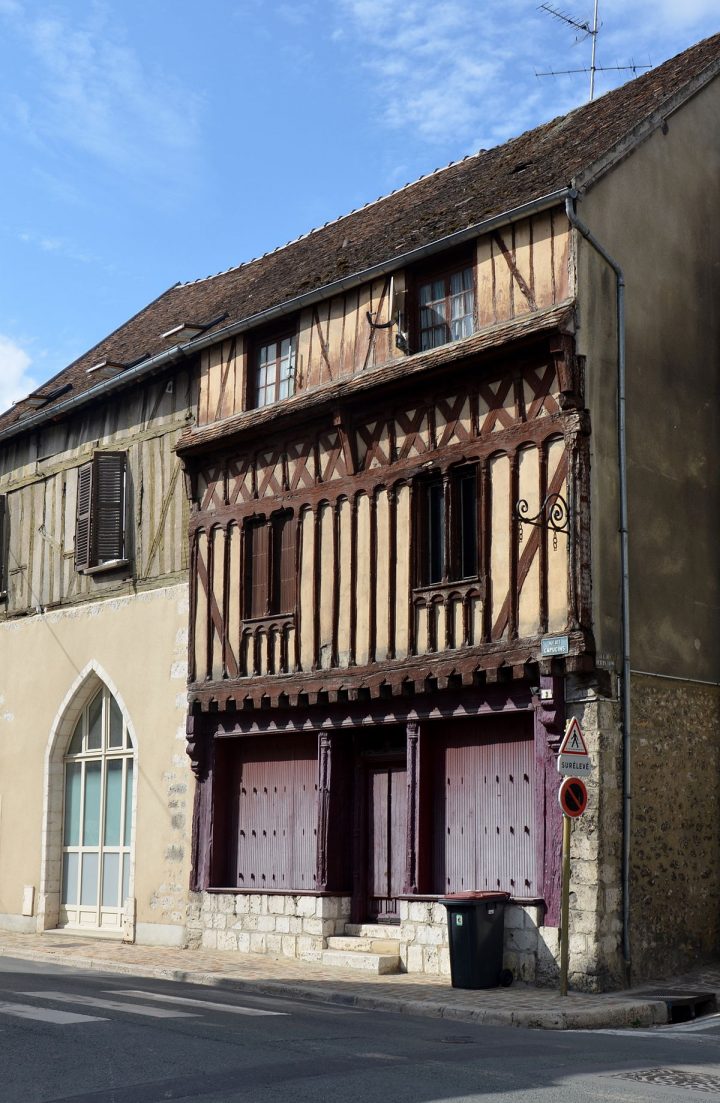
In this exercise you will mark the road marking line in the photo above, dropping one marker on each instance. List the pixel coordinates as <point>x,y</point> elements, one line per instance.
<point>232,1008</point>
<point>111,1005</point>
<point>663,1032</point>
<point>46,1014</point>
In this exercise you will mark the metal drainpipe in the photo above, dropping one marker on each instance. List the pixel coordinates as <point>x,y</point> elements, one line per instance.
<point>624,561</point>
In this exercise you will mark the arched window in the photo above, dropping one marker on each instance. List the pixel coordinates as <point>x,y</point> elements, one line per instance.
<point>97,821</point>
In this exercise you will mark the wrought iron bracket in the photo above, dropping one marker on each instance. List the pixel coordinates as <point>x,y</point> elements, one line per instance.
<point>553,515</point>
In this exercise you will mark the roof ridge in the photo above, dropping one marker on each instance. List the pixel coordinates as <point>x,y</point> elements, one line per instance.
<point>545,125</point>
<point>334,221</point>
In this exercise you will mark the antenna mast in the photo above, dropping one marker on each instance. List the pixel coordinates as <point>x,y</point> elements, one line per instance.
<point>587,30</point>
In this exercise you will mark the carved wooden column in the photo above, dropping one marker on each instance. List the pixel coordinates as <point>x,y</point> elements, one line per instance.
<point>199,750</point>
<point>324,789</point>
<point>334,818</point>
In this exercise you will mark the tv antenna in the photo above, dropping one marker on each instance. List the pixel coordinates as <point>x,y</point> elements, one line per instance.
<point>586,30</point>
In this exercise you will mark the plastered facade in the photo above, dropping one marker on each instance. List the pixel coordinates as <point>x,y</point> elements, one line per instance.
<point>137,646</point>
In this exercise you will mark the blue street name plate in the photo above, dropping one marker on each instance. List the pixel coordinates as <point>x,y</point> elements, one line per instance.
<point>555,645</point>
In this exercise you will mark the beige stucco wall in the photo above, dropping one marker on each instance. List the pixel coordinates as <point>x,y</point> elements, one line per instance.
<point>138,644</point>
<point>675,864</point>
<point>657,213</point>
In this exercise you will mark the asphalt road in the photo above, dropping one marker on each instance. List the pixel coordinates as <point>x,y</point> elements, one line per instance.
<point>87,1037</point>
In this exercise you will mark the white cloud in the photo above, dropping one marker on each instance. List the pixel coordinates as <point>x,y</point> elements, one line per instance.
<point>60,245</point>
<point>16,381</point>
<point>461,74</point>
<point>93,91</point>
<point>441,71</point>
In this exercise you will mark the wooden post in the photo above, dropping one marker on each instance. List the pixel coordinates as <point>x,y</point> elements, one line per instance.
<point>565,907</point>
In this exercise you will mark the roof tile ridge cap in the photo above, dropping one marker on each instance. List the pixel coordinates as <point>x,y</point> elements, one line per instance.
<point>340,218</point>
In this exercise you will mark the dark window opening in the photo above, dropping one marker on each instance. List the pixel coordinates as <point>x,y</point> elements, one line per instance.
<point>447,523</point>
<point>270,566</point>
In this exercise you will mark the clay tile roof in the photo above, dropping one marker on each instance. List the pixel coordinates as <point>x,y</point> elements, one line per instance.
<point>448,200</point>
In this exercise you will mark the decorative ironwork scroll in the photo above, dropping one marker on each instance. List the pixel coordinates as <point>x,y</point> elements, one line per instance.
<point>553,515</point>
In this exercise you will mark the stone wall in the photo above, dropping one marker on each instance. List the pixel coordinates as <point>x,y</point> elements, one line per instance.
<point>595,961</point>
<point>675,855</point>
<point>298,927</point>
<point>282,926</point>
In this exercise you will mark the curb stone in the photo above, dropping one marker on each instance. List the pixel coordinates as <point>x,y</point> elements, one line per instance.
<point>642,1013</point>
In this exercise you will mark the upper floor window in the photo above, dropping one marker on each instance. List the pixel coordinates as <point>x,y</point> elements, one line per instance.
<point>269,566</point>
<point>275,370</point>
<point>447,527</point>
<point>447,308</point>
<point>101,510</point>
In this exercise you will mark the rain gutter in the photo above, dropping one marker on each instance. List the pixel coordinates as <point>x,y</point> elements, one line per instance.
<point>169,356</point>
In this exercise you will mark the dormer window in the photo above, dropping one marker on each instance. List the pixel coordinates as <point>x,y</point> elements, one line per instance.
<point>447,308</point>
<point>275,369</point>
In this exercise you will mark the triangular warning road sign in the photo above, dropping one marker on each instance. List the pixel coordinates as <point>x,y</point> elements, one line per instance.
<point>574,743</point>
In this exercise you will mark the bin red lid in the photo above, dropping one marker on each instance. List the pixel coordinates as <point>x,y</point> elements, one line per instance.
<point>458,897</point>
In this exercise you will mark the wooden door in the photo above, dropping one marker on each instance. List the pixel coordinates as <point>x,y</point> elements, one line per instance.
<point>386,831</point>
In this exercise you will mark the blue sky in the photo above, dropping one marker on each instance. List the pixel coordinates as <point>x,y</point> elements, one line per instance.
<point>144,142</point>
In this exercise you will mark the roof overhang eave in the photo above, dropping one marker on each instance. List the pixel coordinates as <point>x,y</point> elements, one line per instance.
<point>169,356</point>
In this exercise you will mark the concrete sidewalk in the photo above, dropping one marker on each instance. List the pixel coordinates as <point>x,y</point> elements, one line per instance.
<point>412,994</point>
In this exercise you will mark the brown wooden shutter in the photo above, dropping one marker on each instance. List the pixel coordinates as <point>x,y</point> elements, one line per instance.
<point>284,564</point>
<point>83,524</point>
<point>108,524</point>
<point>256,568</point>
<point>3,581</point>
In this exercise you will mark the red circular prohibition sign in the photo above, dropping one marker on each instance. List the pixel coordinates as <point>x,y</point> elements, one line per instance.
<point>573,796</point>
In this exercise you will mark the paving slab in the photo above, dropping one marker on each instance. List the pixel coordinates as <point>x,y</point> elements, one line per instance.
<point>520,1005</point>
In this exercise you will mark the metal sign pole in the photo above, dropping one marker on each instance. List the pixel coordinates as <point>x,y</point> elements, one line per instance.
<point>565,907</point>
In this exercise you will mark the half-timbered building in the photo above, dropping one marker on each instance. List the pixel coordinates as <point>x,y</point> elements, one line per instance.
<point>406,572</point>
<point>451,470</point>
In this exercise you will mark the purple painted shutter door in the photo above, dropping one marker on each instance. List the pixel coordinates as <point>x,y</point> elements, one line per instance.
<point>387,830</point>
<point>277,814</point>
<point>378,832</point>
<point>83,517</point>
<point>398,831</point>
<point>484,835</point>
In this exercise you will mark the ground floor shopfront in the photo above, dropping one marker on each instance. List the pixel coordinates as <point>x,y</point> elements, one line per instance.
<point>313,822</point>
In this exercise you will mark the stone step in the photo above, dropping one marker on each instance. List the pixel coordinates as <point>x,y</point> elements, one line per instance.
<point>378,964</point>
<point>373,930</point>
<point>358,944</point>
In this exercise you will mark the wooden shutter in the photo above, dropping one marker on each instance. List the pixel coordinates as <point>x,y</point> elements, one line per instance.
<point>108,522</point>
<point>256,568</point>
<point>3,583</point>
<point>284,564</point>
<point>83,524</point>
